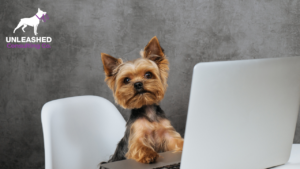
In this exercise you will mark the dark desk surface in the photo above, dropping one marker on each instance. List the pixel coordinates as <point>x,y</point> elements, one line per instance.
<point>165,158</point>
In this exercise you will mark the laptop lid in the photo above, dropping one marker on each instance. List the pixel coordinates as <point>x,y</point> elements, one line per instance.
<point>242,114</point>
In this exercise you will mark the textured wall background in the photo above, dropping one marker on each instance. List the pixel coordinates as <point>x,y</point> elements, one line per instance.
<point>189,31</point>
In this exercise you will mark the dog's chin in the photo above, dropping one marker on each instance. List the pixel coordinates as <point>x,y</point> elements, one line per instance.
<point>141,99</point>
<point>142,93</point>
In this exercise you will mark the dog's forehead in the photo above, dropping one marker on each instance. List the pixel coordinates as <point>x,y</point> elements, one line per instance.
<point>138,64</point>
<point>136,67</point>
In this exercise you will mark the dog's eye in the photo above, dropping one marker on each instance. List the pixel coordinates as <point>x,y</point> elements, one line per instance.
<point>148,75</point>
<point>126,80</point>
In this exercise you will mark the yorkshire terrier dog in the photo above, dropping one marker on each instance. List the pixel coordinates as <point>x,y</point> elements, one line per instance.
<point>140,85</point>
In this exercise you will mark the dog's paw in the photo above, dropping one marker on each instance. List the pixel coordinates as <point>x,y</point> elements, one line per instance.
<point>179,146</point>
<point>142,154</point>
<point>148,157</point>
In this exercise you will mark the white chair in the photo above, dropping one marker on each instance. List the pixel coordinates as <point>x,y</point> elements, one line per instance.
<point>80,132</point>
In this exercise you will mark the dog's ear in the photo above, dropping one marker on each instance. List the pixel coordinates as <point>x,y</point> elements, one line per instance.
<point>153,51</point>
<point>110,64</point>
<point>39,9</point>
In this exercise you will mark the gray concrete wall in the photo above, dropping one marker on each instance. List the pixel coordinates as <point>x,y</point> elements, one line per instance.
<point>189,31</point>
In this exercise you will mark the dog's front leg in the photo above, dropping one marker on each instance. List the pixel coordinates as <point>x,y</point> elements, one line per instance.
<point>141,152</point>
<point>35,29</point>
<point>140,145</point>
<point>173,139</point>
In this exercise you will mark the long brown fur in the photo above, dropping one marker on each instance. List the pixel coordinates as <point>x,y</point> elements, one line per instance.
<point>148,130</point>
<point>152,137</point>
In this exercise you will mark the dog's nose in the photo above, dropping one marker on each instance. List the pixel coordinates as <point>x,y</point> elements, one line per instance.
<point>138,85</point>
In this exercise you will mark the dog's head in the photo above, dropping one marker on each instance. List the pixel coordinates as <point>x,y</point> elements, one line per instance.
<point>40,13</point>
<point>139,82</point>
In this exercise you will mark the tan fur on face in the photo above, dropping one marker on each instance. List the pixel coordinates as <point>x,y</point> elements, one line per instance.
<point>153,60</point>
<point>125,94</point>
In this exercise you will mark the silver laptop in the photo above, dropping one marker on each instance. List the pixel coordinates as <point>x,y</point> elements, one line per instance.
<point>242,115</point>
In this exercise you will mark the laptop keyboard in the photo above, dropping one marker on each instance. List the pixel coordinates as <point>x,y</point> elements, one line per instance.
<point>172,166</point>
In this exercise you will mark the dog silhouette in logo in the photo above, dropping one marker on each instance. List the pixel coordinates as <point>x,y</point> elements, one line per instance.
<point>33,21</point>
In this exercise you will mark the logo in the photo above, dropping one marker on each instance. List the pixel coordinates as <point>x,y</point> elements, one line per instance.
<point>33,21</point>
<point>30,42</point>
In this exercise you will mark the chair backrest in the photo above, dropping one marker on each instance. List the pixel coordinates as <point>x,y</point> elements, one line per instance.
<point>80,132</point>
